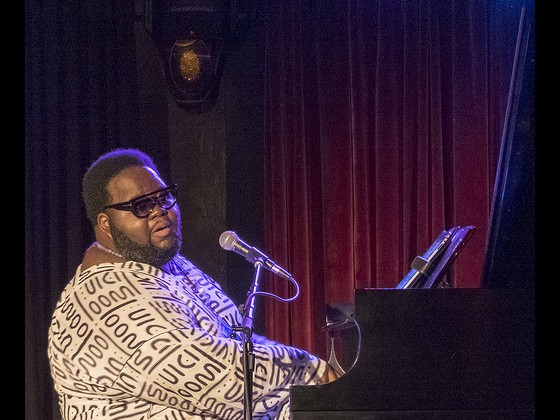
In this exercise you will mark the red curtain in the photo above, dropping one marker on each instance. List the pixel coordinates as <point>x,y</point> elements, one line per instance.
<point>383,127</point>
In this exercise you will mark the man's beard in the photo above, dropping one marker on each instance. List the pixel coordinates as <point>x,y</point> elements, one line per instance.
<point>147,254</point>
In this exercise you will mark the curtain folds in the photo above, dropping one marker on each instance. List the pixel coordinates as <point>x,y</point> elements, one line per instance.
<point>383,127</point>
<point>80,101</point>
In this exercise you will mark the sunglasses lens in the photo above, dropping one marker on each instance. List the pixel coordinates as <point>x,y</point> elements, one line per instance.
<point>143,207</point>
<point>167,200</point>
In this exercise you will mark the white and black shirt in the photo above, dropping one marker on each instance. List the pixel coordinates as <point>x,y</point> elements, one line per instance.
<point>130,341</point>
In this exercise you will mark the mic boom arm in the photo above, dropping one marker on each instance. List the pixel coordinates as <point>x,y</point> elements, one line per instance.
<point>230,241</point>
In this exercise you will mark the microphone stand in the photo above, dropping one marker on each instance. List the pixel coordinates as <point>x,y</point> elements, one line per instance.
<point>247,333</point>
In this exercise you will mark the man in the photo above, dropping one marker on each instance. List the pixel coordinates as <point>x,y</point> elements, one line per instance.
<point>140,332</point>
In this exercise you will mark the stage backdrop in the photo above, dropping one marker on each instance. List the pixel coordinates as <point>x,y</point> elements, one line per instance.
<point>383,127</point>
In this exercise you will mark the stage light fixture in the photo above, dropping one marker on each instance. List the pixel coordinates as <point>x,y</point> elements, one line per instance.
<point>192,71</point>
<point>190,35</point>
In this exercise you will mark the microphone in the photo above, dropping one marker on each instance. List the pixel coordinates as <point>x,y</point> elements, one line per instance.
<point>231,242</point>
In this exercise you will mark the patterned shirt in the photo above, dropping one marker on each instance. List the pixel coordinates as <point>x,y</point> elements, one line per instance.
<point>130,341</point>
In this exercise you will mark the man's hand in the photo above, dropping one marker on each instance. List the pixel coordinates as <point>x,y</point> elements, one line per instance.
<point>330,375</point>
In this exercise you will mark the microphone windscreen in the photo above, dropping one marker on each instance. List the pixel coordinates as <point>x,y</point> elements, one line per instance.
<point>227,239</point>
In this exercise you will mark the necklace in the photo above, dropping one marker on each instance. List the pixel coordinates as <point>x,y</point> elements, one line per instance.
<point>110,251</point>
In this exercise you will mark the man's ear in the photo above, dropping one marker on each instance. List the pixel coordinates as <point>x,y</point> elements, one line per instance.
<point>103,224</point>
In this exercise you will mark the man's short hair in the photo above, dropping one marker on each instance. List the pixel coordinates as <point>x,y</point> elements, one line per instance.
<point>96,179</point>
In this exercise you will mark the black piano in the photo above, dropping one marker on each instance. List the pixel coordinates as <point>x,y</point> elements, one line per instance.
<point>439,353</point>
<point>423,351</point>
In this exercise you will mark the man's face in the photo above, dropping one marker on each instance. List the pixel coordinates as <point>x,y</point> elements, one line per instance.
<point>155,239</point>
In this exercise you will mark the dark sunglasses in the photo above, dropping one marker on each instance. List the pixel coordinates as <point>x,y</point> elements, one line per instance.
<point>143,205</point>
